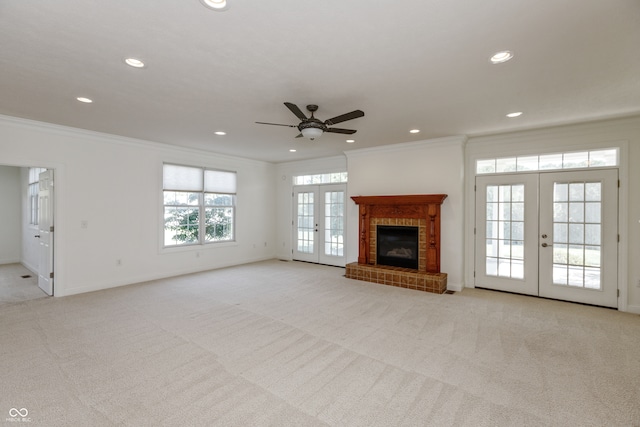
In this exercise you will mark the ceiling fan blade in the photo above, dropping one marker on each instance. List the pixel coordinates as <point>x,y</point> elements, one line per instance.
<point>338,130</point>
<point>276,124</point>
<point>295,110</point>
<point>344,117</point>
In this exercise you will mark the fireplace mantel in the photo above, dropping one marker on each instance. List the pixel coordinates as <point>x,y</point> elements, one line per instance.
<point>409,207</point>
<point>420,210</point>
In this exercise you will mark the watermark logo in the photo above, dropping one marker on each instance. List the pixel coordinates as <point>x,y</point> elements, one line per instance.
<point>22,412</point>
<point>18,415</point>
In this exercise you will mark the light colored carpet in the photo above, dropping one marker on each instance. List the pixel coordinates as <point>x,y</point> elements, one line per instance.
<point>295,344</point>
<point>15,288</point>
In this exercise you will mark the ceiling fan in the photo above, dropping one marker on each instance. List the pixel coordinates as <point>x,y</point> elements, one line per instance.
<point>312,128</point>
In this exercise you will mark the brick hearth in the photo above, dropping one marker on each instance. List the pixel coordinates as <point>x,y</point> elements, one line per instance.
<point>397,276</point>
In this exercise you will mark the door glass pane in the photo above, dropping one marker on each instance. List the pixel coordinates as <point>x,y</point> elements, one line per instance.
<point>577,234</point>
<point>560,233</point>
<point>306,223</point>
<point>505,231</point>
<point>334,223</point>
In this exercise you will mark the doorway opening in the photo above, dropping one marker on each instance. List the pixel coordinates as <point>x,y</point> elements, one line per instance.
<point>27,233</point>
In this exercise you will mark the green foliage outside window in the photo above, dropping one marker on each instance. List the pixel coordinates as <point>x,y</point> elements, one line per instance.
<point>182,221</point>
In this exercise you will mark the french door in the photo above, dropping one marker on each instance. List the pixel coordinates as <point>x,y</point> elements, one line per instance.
<point>319,223</point>
<point>551,234</point>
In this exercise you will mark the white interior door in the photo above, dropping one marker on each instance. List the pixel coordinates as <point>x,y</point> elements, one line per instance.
<point>45,232</point>
<point>319,224</point>
<point>549,234</point>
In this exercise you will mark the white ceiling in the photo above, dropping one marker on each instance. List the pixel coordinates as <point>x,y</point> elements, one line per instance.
<point>407,64</point>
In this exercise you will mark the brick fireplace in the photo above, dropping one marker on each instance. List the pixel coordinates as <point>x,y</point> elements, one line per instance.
<point>419,211</point>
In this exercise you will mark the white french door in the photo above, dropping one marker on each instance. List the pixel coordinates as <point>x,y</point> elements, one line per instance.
<point>549,234</point>
<point>506,233</point>
<point>318,226</point>
<point>45,231</point>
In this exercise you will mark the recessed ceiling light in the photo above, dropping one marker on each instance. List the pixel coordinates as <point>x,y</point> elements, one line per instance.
<point>293,150</point>
<point>220,133</point>
<point>133,62</point>
<point>350,141</point>
<point>515,114</point>
<point>502,56</point>
<point>414,131</point>
<point>217,5</point>
<point>85,100</point>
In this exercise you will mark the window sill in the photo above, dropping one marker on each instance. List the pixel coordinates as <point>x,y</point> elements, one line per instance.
<point>197,247</point>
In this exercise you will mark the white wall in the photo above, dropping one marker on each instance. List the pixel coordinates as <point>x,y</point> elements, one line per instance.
<point>426,167</point>
<point>114,185</point>
<point>10,215</point>
<point>600,134</point>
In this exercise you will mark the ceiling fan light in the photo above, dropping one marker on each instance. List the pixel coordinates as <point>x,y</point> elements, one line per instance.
<point>218,5</point>
<point>134,62</point>
<point>311,133</point>
<point>500,57</point>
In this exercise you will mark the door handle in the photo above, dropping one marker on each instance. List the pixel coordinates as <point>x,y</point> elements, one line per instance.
<point>544,245</point>
<point>37,235</point>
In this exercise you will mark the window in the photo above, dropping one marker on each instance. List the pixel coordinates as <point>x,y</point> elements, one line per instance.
<point>199,205</point>
<point>323,178</point>
<point>34,182</point>
<point>582,159</point>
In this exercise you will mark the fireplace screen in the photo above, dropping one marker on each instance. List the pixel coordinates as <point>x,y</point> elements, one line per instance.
<point>397,246</point>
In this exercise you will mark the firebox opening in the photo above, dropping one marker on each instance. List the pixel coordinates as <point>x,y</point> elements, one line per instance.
<point>397,246</point>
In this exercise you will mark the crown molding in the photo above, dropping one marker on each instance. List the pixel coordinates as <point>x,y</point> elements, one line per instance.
<point>448,141</point>
<point>108,138</point>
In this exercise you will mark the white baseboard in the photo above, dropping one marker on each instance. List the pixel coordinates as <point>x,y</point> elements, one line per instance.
<point>635,309</point>
<point>29,267</point>
<point>132,280</point>
<point>456,287</point>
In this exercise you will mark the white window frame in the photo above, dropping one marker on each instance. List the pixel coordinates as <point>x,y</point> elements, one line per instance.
<point>201,189</point>
<point>563,161</point>
<point>321,178</point>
